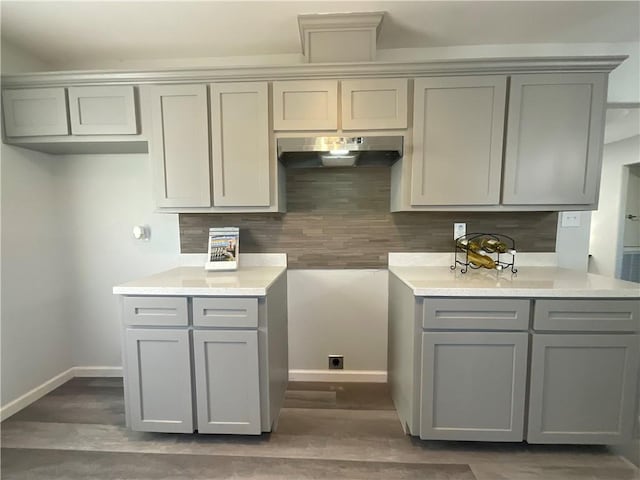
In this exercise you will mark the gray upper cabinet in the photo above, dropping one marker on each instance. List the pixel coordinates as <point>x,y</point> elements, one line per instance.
<point>554,139</point>
<point>241,144</point>
<point>457,140</point>
<point>180,145</point>
<point>102,110</point>
<point>371,104</point>
<point>305,105</point>
<point>35,112</point>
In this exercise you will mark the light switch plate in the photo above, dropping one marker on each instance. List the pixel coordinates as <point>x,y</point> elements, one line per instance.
<point>570,219</point>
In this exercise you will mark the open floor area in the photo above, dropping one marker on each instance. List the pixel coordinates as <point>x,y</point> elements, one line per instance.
<point>326,431</point>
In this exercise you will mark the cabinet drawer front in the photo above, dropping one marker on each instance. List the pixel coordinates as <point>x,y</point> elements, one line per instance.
<point>102,110</point>
<point>35,112</point>
<point>162,311</point>
<point>475,314</point>
<point>225,312</point>
<point>587,315</point>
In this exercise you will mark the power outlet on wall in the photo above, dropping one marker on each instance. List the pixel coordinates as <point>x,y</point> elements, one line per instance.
<point>459,229</point>
<point>336,362</point>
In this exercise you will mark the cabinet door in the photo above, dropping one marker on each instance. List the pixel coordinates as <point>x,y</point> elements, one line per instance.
<point>473,386</point>
<point>34,112</point>
<point>457,140</point>
<point>305,105</point>
<point>227,381</point>
<point>554,139</point>
<point>374,104</point>
<point>583,388</point>
<point>102,110</point>
<point>240,135</point>
<point>158,377</point>
<point>180,145</point>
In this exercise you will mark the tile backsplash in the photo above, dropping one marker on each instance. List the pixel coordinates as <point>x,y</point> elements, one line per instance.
<point>339,218</point>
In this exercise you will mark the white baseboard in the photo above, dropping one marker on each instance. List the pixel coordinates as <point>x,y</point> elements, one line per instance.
<point>28,398</point>
<point>97,371</point>
<point>360,376</point>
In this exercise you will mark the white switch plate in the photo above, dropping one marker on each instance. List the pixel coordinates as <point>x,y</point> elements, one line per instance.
<point>570,219</point>
<point>459,229</point>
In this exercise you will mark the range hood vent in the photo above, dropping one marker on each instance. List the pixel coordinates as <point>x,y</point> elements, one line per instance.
<point>310,152</point>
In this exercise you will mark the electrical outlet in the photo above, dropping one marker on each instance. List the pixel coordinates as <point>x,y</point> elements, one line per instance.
<point>459,229</point>
<point>336,362</point>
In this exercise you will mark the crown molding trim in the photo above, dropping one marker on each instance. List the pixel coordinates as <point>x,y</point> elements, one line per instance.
<point>483,66</point>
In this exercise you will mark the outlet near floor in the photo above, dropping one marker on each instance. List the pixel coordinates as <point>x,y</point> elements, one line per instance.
<point>336,362</point>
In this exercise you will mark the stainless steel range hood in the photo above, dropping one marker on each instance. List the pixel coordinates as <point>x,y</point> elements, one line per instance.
<point>309,152</point>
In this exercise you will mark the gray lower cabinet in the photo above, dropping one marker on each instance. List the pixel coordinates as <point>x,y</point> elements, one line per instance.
<point>473,385</point>
<point>158,380</point>
<point>582,388</point>
<point>506,369</point>
<point>227,381</point>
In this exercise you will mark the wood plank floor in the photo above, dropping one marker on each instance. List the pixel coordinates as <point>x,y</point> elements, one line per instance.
<point>326,431</point>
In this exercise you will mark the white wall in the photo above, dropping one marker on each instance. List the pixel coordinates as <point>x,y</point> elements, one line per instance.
<point>15,60</point>
<point>102,197</point>
<point>632,226</point>
<point>340,312</point>
<point>607,222</point>
<point>36,294</point>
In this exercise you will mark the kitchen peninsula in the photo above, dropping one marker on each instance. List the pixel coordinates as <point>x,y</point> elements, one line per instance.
<point>548,355</point>
<point>206,351</point>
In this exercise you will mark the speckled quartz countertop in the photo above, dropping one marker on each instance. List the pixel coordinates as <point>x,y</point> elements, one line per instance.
<point>250,281</point>
<point>530,282</point>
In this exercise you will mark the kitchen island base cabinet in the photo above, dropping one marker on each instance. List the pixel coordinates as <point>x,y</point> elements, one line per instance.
<point>227,381</point>
<point>473,385</point>
<point>581,388</point>
<point>158,380</point>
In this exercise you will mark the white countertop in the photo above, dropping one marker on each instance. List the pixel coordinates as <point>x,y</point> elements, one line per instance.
<point>247,281</point>
<point>528,282</point>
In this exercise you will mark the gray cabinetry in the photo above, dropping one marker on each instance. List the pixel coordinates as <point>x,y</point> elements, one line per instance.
<point>457,140</point>
<point>473,385</point>
<point>240,144</point>
<point>473,369</point>
<point>554,140</point>
<point>35,112</point>
<point>180,145</point>
<point>102,110</point>
<point>158,380</point>
<point>583,385</point>
<point>227,381</point>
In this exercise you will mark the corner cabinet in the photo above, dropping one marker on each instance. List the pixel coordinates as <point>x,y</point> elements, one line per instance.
<point>555,131</point>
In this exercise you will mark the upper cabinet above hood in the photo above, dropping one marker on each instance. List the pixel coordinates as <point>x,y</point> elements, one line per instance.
<point>307,152</point>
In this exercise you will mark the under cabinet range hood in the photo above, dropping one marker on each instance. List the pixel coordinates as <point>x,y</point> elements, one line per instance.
<point>309,152</point>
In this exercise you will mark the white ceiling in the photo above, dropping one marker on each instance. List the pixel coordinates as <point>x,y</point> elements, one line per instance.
<point>66,32</point>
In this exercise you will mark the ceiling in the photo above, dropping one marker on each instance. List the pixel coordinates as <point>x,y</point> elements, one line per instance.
<point>66,32</point>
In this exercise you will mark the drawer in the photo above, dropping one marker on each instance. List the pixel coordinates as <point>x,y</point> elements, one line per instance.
<point>225,312</point>
<point>162,311</point>
<point>475,314</point>
<point>586,315</point>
